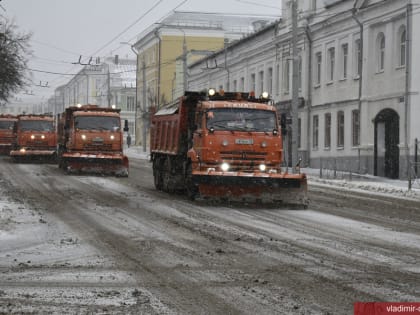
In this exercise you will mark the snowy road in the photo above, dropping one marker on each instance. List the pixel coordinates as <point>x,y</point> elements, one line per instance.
<point>88,244</point>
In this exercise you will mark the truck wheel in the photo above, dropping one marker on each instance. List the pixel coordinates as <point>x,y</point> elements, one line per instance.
<point>167,179</point>
<point>158,180</point>
<point>192,192</point>
<point>157,174</point>
<point>191,189</point>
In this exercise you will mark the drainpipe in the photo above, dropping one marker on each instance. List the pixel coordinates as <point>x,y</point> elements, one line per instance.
<point>159,67</point>
<point>407,84</point>
<point>226,67</point>
<point>360,66</point>
<point>309,98</point>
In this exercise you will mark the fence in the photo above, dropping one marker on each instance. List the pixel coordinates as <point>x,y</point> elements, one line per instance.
<point>414,166</point>
<point>329,170</point>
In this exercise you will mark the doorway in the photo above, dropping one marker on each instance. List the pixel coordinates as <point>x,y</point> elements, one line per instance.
<point>387,139</point>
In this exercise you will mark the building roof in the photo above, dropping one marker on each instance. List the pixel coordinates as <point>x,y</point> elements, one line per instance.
<point>233,26</point>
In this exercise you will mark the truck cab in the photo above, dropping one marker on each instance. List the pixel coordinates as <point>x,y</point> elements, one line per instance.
<point>35,139</point>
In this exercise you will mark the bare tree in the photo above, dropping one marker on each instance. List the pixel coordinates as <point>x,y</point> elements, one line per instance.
<point>14,53</point>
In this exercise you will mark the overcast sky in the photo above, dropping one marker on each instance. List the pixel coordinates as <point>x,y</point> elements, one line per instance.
<point>65,29</point>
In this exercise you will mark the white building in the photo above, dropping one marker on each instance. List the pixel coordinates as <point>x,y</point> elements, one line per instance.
<point>358,116</point>
<point>107,83</point>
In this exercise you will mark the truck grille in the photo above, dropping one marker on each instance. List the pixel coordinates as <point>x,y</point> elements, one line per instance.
<point>97,147</point>
<point>6,139</point>
<point>243,155</point>
<point>37,144</point>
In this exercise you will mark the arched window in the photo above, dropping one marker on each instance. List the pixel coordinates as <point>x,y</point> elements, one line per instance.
<point>402,47</point>
<point>381,52</point>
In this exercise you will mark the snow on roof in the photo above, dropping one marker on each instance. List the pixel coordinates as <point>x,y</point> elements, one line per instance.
<point>123,70</point>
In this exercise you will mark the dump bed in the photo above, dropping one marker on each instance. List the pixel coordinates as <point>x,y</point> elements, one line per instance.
<point>168,131</point>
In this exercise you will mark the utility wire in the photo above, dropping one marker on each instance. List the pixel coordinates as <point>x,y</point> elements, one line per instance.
<point>128,27</point>
<point>259,4</point>
<point>173,10</point>
<point>117,36</point>
<point>55,47</point>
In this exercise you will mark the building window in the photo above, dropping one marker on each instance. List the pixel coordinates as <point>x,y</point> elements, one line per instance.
<point>270,81</point>
<point>242,87</point>
<point>130,103</point>
<point>331,64</point>
<point>278,79</point>
<point>340,129</point>
<point>299,137</point>
<point>327,131</point>
<point>286,78</point>
<point>315,131</point>
<point>261,82</point>
<point>402,48</point>
<point>355,127</point>
<point>300,72</point>
<point>358,55</point>
<point>252,83</point>
<point>381,52</point>
<point>344,59</point>
<point>235,85</point>
<point>318,67</point>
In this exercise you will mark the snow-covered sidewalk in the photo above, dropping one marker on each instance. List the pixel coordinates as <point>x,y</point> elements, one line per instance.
<point>367,183</point>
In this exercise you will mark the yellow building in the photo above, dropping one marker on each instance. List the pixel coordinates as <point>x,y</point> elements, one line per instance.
<point>165,49</point>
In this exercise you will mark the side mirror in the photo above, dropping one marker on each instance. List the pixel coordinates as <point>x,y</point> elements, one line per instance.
<point>126,125</point>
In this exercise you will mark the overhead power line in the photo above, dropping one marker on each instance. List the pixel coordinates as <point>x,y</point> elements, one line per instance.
<point>127,28</point>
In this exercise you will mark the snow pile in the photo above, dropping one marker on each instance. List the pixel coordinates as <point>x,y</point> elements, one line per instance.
<point>137,152</point>
<point>367,183</point>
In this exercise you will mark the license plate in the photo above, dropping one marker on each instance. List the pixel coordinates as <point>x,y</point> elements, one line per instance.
<point>244,141</point>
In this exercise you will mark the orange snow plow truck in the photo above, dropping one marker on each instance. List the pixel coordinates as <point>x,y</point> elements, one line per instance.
<point>35,139</point>
<point>225,146</point>
<point>7,136</point>
<point>90,140</point>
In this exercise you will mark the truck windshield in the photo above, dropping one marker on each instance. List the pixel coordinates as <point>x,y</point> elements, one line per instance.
<point>6,124</point>
<point>97,123</point>
<point>36,125</point>
<point>241,119</point>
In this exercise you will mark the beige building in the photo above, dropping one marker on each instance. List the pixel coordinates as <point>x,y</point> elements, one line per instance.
<point>166,48</point>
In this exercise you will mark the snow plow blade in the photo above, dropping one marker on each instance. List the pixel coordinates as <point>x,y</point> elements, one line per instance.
<point>33,155</point>
<point>287,189</point>
<point>107,164</point>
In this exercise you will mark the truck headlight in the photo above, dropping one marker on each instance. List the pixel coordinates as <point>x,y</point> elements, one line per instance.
<point>83,137</point>
<point>32,137</point>
<point>23,150</point>
<point>262,167</point>
<point>225,167</point>
<point>112,137</point>
<point>42,136</point>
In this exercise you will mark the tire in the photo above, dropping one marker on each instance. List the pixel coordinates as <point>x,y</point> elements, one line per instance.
<point>191,189</point>
<point>157,174</point>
